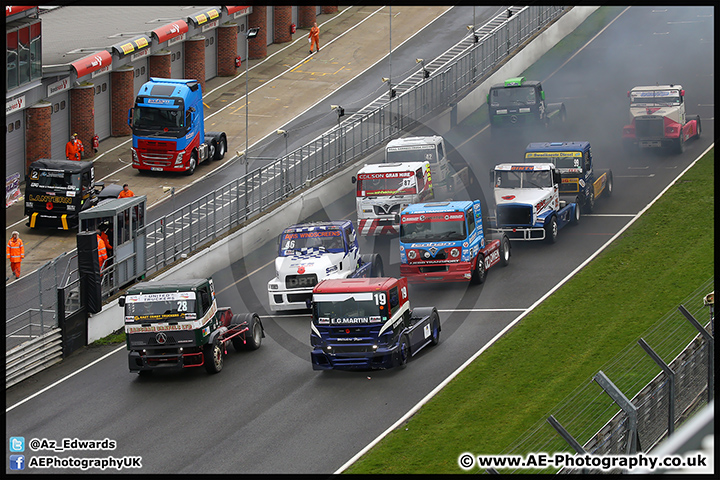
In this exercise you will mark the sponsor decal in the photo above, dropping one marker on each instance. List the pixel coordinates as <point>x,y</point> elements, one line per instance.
<point>372,176</point>
<point>433,217</point>
<point>492,258</point>
<point>540,205</point>
<point>552,154</point>
<point>157,328</point>
<point>322,233</point>
<point>49,198</point>
<point>508,197</point>
<point>524,168</point>
<point>206,331</point>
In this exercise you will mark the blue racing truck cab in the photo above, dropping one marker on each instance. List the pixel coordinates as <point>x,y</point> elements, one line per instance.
<point>367,323</point>
<point>168,128</point>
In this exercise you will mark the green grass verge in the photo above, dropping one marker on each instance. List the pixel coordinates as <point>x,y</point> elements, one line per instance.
<point>663,257</point>
<point>112,339</point>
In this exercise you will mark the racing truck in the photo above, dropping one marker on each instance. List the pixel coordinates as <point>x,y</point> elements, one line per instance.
<point>384,189</point>
<point>419,149</point>
<point>367,323</point>
<point>168,128</point>
<point>658,119</point>
<point>580,182</point>
<point>445,242</point>
<point>177,324</point>
<point>528,204</point>
<point>311,252</point>
<point>519,102</point>
<point>56,191</point>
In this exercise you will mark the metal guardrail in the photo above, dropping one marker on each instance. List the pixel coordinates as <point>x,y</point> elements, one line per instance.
<point>31,357</point>
<point>190,227</point>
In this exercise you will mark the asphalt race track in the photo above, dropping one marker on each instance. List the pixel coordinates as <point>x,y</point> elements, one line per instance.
<point>268,411</point>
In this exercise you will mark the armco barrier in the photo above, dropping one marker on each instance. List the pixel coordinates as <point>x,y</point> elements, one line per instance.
<point>31,357</point>
<point>269,226</point>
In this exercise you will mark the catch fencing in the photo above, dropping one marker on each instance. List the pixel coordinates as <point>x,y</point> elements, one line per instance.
<point>192,226</point>
<point>599,419</point>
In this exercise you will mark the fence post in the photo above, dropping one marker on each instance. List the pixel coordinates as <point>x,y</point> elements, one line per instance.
<point>711,349</point>
<point>633,442</point>
<point>671,387</point>
<point>567,437</point>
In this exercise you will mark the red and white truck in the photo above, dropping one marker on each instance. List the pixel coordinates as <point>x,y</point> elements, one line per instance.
<point>384,189</point>
<point>658,119</point>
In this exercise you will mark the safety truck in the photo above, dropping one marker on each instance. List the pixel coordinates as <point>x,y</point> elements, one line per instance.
<point>177,324</point>
<point>56,191</point>
<point>311,252</point>
<point>446,242</point>
<point>384,189</point>
<point>580,183</point>
<point>658,119</point>
<point>429,148</point>
<point>519,102</point>
<point>367,323</point>
<point>527,202</point>
<point>168,128</point>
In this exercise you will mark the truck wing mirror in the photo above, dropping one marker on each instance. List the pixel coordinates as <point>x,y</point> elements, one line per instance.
<point>308,302</point>
<point>492,177</point>
<point>121,301</point>
<point>130,117</point>
<point>397,218</point>
<point>682,93</point>
<point>353,179</point>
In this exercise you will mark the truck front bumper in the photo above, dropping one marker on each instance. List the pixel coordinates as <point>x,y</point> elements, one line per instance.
<point>448,272</point>
<point>59,222</point>
<point>523,233</point>
<point>283,299</point>
<point>138,361</point>
<point>346,357</point>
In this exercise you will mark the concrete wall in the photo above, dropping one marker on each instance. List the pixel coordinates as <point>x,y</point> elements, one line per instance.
<point>268,227</point>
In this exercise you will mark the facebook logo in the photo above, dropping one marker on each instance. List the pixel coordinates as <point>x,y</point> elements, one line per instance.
<point>17,444</point>
<point>17,462</point>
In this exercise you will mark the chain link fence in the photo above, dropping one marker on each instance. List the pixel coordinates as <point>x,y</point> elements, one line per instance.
<point>596,422</point>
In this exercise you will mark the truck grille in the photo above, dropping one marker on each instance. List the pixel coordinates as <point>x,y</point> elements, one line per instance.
<point>514,215</point>
<point>651,127</point>
<point>380,210</point>
<point>301,281</point>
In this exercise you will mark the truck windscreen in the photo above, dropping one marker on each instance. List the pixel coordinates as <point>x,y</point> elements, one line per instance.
<point>158,119</point>
<point>523,179</point>
<point>300,243</point>
<point>378,184</point>
<point>160,307</point>
<point>349,308</point>
<point>503,97</point>
<point>432,227</point>
<point>418,153</point>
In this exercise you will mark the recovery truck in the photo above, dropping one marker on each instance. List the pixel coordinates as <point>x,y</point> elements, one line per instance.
<point>56,191</point>
<point>445,242</point>
<point>528,204</point>
<point>384,189</point>
<point>311,252</point>
<point>177,324</point>
<point>658,119</point>
<point>368,324</point>
<point>419,149</point>
<point>519,102</point>
<point>580,182</point>
<point>168,128</point>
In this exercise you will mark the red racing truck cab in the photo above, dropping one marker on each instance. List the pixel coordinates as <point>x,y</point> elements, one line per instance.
<point>168,128</point>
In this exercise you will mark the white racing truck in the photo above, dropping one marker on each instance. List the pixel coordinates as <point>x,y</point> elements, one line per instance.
<point>420,149</point>
<point>527,202</point>
<point>658,119</point>
<point>311,252</point>
<point>384,189</point>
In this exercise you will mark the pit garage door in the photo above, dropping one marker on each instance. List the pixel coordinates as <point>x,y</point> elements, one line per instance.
<point>15,144</point>
<point>102,106</point>
<point>60,124</point>
<point>210,54</point>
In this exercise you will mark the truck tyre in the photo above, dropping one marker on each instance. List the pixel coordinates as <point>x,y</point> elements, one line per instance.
<point>551,230</point>
<point>213,355</point>
<point>193,164</point>
<point>576,216</point>
<point>253,337</point>
<point>679,144</point>
<point>698,129</point>
<point>220,149</point>
<point>478,274</point>
<point>504,251</point>
<point>403,351</point>
<point>376,264</point>
<point>589,205</point>
<point>609,185</point>
<point>434,329</point>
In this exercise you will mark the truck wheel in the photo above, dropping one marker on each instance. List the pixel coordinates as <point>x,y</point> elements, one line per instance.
<point>576,217</point>
<point>435,329</point>
<point>479,273</point>
<point>551,230</point>
<point>220,149</point>
<point>377,266</point>
<point>213,356</point>
<point>403,351</point>
<point>589,205</point>
<point>679,144</point>
<point>254,336</point>
<point>504,251</point>
<point>609,185</point>
<point>698,129</point>
<point>193,164</point>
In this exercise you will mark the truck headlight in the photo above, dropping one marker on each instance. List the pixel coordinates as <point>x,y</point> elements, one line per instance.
<point>179,159</point>
<point>71,208</point>
<point>135,158</point>
<point>273,286</point>
<point>524,110</point>
<point>29,204</point>
<point>412,254</point>
<point>501,111</point>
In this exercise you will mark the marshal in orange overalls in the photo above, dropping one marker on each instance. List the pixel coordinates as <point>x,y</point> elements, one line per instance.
<point>15,252</point>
